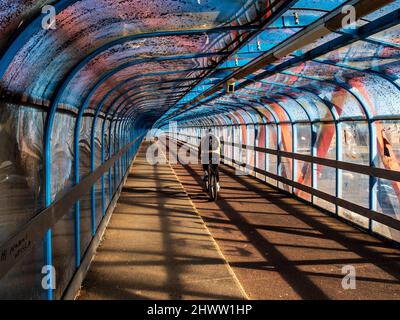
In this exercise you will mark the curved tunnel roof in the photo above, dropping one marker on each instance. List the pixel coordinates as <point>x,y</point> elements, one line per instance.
<point>157,57</point>
<point>148,53</point>
<point>344,74</point>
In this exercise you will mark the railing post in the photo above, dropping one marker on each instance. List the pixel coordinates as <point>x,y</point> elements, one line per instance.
<point>314,153</point>
<point>339,157</point>
<point>110,186</point>
<point>373,156</point>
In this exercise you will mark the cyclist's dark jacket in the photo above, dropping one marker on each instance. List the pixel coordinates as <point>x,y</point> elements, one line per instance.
<point>210,151</point>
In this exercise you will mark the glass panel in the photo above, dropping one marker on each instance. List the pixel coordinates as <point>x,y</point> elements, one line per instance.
<point>325,140</point>
<point>98,202</point>
<point>326,179</point>
<point>354,188</point>
<point>97,141</point>
<point>106,190</point>
<point>237,141</point>
<point>388,144</point>
<point>314,107</point>
<point>272,160</point>
<point>250,156</point>
<point>21,168</point>
<point>355,142</point>
<point>86,222</point>
<point>303,139</point>
<point>286,145</point>
<point>261,143</point>
<point>21,190</point>
<point>286,140</point>
<point>353,217</point>
<point>388,201</point>
<point>63,248</point>
<point>345,104</point>
<point>325,205</point>
<point>386,231</point>
<point>24,280</point>
<point>85,147</point>
<point>303,170</point>
<point>286,172</point>
<point>295,111</point>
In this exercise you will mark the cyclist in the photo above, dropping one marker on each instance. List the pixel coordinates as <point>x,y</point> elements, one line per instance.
<point>210,153</point>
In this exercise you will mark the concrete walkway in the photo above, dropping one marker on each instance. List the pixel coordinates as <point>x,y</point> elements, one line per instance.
<point>157,246</point>
<point>281,248</point>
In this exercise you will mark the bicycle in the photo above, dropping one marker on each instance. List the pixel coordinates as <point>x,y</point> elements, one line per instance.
<point>210,184</point>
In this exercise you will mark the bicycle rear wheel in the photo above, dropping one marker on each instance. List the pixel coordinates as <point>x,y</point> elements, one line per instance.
<point>213,187</point>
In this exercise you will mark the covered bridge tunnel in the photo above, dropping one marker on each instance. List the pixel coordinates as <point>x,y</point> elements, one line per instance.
<point>314,117</point>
